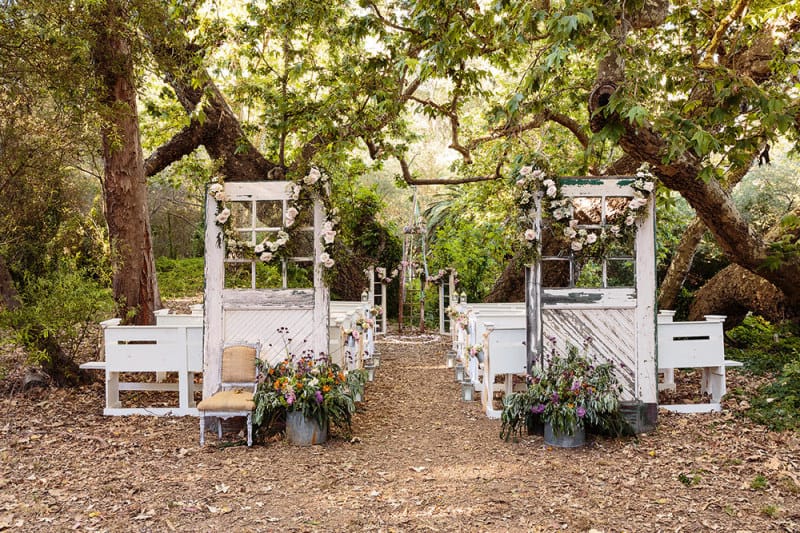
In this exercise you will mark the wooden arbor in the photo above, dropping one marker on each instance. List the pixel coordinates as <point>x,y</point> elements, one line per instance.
<point>608,299</point>
<point>282,305</point>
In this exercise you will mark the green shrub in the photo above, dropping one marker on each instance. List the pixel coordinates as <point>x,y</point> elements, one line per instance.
<point>777,404</point>
<point>763,347</point>
<point>55,321</point>
<point>180,277</point>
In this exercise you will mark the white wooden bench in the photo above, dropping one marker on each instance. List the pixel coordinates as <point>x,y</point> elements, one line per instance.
<point>175,348</point>
<point>353,352</point>
<point>505,355</point>
<point>693,344</point>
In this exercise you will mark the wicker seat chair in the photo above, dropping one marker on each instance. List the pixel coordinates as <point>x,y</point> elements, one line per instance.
<point>237,386</point>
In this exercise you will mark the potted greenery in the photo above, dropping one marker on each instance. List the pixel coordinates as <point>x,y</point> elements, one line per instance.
<point>312,392</point>
<point>570,393</point>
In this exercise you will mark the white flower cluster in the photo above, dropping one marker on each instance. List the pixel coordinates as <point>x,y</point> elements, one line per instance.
<point>268,249</point>
<point>381,272</point>
<point>533,182</point>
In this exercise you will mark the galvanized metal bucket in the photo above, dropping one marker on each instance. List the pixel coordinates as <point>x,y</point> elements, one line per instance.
<point>302,431</point>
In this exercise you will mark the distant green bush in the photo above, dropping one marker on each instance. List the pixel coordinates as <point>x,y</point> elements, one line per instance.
<point>763,347</point>
<point>180,277</point>
<point>767,348</point>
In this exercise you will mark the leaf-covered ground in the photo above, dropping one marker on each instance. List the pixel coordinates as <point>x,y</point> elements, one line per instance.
<point>421,460</point>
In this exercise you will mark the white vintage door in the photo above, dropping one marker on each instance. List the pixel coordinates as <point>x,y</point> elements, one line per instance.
<point>283,304</point>
<point>609,299</point>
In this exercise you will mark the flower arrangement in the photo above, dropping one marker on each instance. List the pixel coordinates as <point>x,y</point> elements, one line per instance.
<point>312,385</point>
<point>274,248</point>
<point>443,275</point>
<point>533,186</point>
<point>385,279</point>
<point>570,392</point>
<point>476,351</point>
<point>376,311</point>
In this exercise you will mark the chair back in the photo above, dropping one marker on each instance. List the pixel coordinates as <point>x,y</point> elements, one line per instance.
<point>239,364</point>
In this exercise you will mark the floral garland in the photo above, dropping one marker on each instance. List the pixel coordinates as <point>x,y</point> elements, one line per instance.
<point>384,279</point>
<point>443,275</point>
<point>302,193</point>
<point>532,183</point>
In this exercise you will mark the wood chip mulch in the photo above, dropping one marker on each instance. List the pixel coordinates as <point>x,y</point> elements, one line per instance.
<point>420,459</point>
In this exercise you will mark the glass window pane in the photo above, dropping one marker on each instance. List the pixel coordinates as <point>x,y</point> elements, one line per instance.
<point>621,246</point>
<point>268,275</point>
<point>588,273</point>
<point>587,210</point>
<point>305,218</point>
<point>616,208</point>
<point>300,275</point>
<point>237,247</point>
<point>269,214</point>
<point>241,214</point>
<point>620,273</point>
<point>555,273</point>
<point>237,275</point>
<point>301,244</point>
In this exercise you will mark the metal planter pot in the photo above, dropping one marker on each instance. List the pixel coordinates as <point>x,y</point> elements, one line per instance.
<point>577,439</point>
<point>302,431</point>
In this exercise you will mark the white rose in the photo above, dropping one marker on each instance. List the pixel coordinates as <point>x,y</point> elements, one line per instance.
<point>259,249</point>
<point>323,257</point>
<point>273,246</point>
<point>548,183</point>
<point>266,256</point>
<point>283,235</point>
<point>214,189</point>
<point>630,220</point>
<point>569,233</point>
<point>576,246</point>
<point>573,223</point>
<point>615,230</point>
<point>280,242</point>
<point>223,215</point>
<point>552,191</point>
<point>538,174</point>
<point>329,236</point>
<point>296,192</point>
<point>327,226</point>
<point>329,263</point>
<point>220,196</point>
<point>312,178</point>
<point>591,238</point>
<point>649,186</point>
<point>526,170</point>
<point>530,235</point>
<point>520,182</point>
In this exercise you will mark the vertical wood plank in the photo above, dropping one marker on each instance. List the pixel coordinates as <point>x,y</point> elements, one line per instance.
<point>646,346</point>
<point>212,319</point>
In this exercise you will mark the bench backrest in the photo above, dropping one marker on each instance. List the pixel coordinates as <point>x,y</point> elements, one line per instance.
<point>153,348</point>
<point>507,350</point>
<point>690,344</point>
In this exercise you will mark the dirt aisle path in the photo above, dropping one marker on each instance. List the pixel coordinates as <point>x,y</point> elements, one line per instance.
<point>421,460</point>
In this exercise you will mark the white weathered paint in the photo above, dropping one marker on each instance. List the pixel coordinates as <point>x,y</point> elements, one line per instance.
<point>254,315</point>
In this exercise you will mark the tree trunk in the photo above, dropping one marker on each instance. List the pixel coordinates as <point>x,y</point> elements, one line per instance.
<point>680,265</point>
<point>734,291</point>
<point>124,183</point>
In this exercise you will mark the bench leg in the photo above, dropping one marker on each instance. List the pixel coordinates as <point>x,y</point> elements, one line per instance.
<point>714,382</point>
<point>202,430</point>
<point>112,390</point>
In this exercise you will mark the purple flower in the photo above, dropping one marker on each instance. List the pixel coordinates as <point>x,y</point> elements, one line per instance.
<point>554,398</point>
<point>289,397</point>
<point>576,386</point>
<point>318,396</point>
<point>581,412</point>
<point>536,409</point>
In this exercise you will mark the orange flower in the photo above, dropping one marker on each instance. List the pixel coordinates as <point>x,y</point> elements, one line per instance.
<point>326,388</point>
